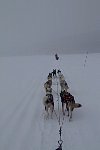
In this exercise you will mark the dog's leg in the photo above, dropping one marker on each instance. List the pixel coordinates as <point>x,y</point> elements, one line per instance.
<point>52,109</point>
<point>63,109</point>
<point>71,109</point>
<point>67,108</point>
<point>47,113</point>
<point>70,114</point>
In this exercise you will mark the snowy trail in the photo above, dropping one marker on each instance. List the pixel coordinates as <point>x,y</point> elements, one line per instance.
<point>18,118</point>
<point>22,123</point>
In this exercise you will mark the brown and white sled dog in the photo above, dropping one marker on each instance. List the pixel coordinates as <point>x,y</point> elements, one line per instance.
<point>64,85</point>
<point>49,90</point>
<point>49,105</point>
<point>61,77</point>
<point>48,84</point>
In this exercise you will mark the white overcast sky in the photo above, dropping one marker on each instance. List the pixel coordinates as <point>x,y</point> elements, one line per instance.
<point>39,26</point>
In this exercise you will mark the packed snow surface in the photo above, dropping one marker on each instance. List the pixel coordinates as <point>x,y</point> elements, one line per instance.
<point>22,123</point>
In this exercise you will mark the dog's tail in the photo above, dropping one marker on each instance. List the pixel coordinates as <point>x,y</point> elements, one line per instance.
<point>77,105</point>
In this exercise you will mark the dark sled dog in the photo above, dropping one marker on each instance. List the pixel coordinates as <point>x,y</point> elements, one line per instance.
<point>68,100</point>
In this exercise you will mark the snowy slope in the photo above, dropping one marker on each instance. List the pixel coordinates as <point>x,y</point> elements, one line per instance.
<point>22,124</point>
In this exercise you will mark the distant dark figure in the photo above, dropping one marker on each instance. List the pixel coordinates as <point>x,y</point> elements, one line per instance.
<point>59,148</point>
<point>58,71</point>
<point>54,72</point>
<point>56,56</point>
<point>50,75</point>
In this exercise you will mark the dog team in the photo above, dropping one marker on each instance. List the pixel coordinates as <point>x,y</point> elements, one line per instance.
<point>67,100</point>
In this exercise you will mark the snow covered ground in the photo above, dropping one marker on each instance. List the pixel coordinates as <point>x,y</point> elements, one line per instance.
<point>22,123</point>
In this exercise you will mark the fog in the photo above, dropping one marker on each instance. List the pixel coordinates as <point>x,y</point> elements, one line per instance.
<point>30,27</point>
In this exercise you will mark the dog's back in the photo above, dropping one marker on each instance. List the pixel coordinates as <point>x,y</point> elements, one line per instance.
<point>48,84</point>
<point>48,101</point>
<point>61,77</point>
<point>49,90</point>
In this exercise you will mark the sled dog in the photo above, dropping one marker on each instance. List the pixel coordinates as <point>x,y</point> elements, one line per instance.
<point>68,100</point>
<point>49,105</point>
